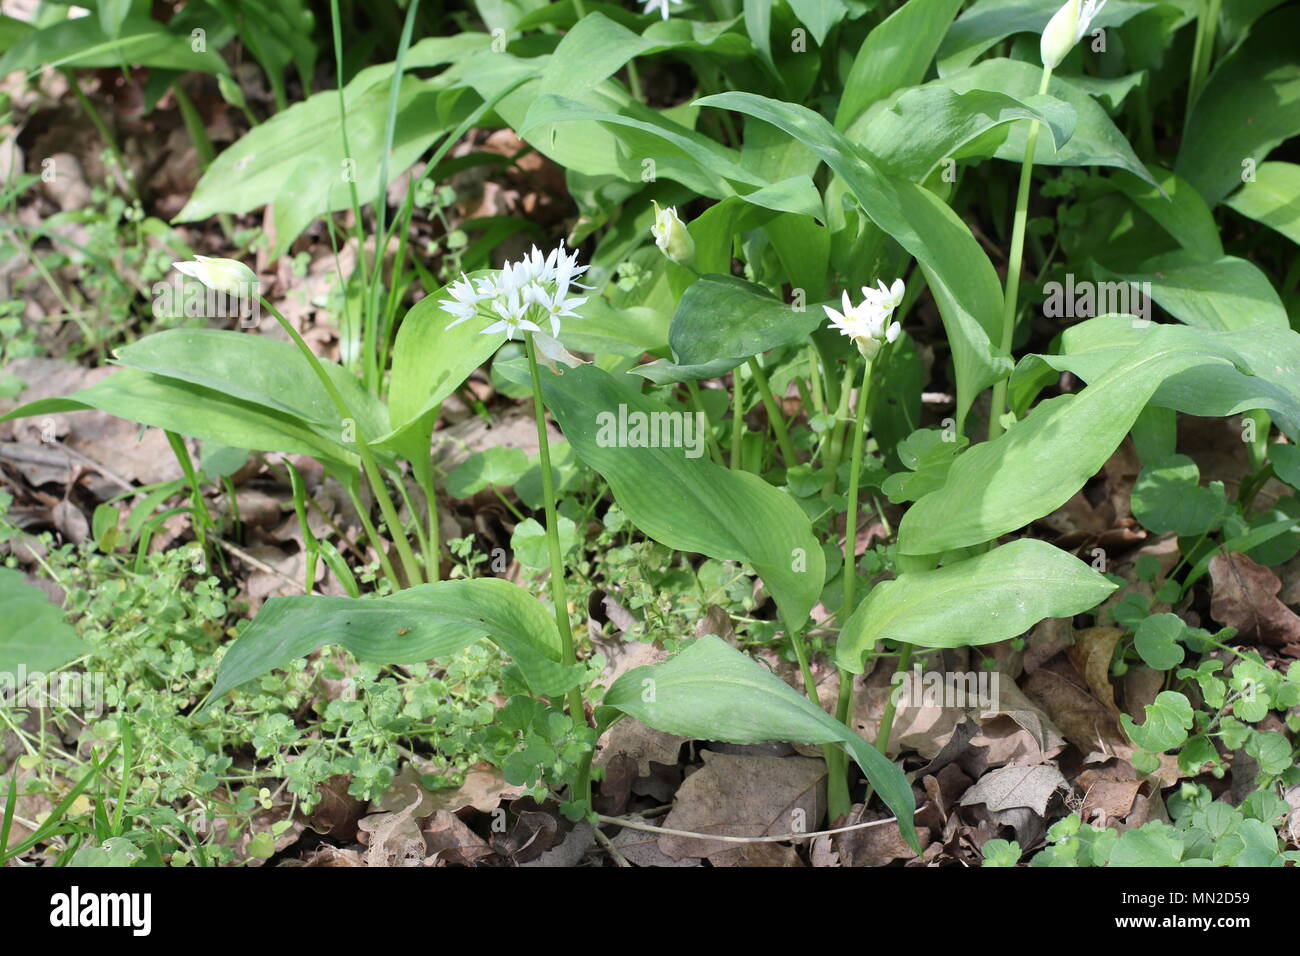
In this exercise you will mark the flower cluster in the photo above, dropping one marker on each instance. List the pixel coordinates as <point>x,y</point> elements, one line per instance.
<point>520,295</point>
<point>868,323</point>
<point>1066,28</point>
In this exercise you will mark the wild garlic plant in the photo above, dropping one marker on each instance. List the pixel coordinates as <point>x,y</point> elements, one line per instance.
<point>721,244</point>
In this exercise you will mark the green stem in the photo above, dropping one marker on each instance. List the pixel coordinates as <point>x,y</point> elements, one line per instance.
<point>424,476</point>
<point>373,475</point>
<point>838,794</point>
<point>887,719</point>
<point>1207,24</point>
<point>1014,261</point>
<point>714,451</point>
<point>737,419</point>
<point>774,414</point>
<point>836,454</point>
<point>559,597</point>
<point>102,128</point>
<point>372,534</point>
<point>202,517</point>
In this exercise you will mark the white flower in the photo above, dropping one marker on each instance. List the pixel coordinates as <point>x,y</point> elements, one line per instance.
<point>464,301</point>
<point>888,299</point>
<point>222,275</point>
<point>652,5</point>
<point>520,294</point>
<point>671,235</point>
<point>867,323</point>
<point>1067,27</point>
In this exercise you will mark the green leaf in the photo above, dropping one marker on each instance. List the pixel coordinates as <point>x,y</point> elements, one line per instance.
<point>422,623</point>
<point>1154,844</point>
<point>198,412</point>
<point>497,466</point>
<point>1168,497</point>
<point>1176,206</point>
<point>258,369</point>
<point>986,22</point>
<point>711,691</point>
<point>987,598</point>
<point>725,316</point>
<point>1036,465</point>
<point>1272,197</point>
<point>1286,463</point>
<point>958,272</point>
<point>688,503</point>
<point>82,42</point>
<point>929,453</point>
<point>1096,140</point>
<point>1167,721</point>
<point>1236,371</point>
<point>35,636</point>
<point>930,123</point>
<point>1156,640</point>
<point>430,361</point>
<point>1223,294</point>
<point>1250,105</point>
<point>531,547</point>
<point>895,54</point>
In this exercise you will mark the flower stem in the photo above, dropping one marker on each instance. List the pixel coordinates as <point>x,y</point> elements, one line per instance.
<point>559,597</point>
<point>409,564</point>
<point>1014,261</point>
<point>774,414</point>
<point>737,420</point>
<point>837,794</point>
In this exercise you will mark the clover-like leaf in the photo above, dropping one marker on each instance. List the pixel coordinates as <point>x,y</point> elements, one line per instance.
<point>1156,639</point>
<point>1168,719</point>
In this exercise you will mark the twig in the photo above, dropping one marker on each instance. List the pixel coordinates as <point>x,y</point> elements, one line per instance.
<point>608,844</point>
<point>780,838</point>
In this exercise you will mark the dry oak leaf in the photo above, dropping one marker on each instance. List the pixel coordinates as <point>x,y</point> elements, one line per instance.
<point>1245,597</point>
<point>745,795</point>
<point>1008,787</point>
<point>1091,656</point>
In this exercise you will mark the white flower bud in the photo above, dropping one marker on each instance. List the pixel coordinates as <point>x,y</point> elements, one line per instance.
<point>221,275</point>
<point>671,235</point>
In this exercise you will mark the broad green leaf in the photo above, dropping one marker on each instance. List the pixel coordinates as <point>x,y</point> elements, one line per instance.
<point>198,412</point>
<point>1167,721</point>
<point>990,597</point>
<point>35,636</point>
<point>258,369</point>
<point>1272,197</point>
<point>295,159</point>
<point>723,315</point>
<point>1176,206</point>
<point>1238,371</point>
<point>421,623</point>
<point>597,47</point>
<point>819,15</point>
<point>678,153</point>
<point>1096,141</point>
<point>1250,105</point>
<point>958,272</point>
<point>1224,294</point>
<point>1036,465</point>
<point>929,124</point>
<point>1168,497</point>
<point>430,361</point>
<point>678,497</point>
<point>497,466</point>
<point>1156,639</point>
<point>895,54</point>
<point>81,42</point>
<point>986,22</point>
<point>711,691</point>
